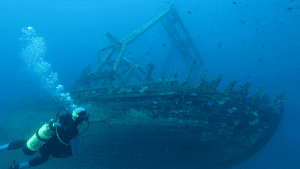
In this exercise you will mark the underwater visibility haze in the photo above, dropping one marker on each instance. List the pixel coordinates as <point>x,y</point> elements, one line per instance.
<point>229,54</point>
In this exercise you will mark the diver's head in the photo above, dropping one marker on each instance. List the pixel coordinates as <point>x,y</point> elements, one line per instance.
<point>79,115</point>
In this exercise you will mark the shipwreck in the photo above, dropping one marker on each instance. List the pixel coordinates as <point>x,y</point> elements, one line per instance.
<point>165,121</point>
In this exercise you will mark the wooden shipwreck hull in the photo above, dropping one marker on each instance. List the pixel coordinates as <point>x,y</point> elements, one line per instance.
<point>174,126</point>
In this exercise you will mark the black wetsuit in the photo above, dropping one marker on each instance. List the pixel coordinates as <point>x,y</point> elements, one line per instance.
<point>54,146</point>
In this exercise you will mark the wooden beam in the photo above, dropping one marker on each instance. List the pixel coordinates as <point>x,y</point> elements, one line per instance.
<point>120,56</point>
<point>189,39</point>
<point>137,66</point>
<point>188,77</point>
<point>167,62</point>
<point>141,30</point>
<point>177,40</point>
<point>114,41</point>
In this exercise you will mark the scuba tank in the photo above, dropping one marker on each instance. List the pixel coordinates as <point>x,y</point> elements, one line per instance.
<point>39,138</point>
<point>45,133</point>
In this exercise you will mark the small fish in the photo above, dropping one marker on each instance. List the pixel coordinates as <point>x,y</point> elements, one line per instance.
<point>289,8</point>
<point>148,53</point>
<point>234,2</point>
<point>219,46</point>
<point>248,77</point>
<point>129,53</point>
<point>164,44</point>
<point>220,43</point>
<point>261,59</point>
<point>198,37</point>
<point>189,12</point>
<point>262,45</point>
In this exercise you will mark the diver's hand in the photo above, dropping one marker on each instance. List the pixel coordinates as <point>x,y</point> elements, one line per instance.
<point>14,166</point>
<point>56,124</point>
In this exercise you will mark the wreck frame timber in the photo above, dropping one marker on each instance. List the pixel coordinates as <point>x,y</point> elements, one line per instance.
<point>184,46</point>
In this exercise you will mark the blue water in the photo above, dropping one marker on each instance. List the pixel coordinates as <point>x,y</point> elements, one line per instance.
<point>257,41</point>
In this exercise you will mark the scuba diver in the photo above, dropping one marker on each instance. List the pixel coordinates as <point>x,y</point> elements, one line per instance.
<point>57,138</point>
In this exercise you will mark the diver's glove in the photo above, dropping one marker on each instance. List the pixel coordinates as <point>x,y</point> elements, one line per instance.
<point>56,124</point>
<point>14,166</point>
<point>53,125</point>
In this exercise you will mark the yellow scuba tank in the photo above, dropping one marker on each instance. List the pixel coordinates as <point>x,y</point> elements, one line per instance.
<point>40,137</point>
<point>47,131</point>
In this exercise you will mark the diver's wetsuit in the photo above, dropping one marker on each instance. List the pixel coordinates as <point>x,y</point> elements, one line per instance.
<point>54,146</point>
